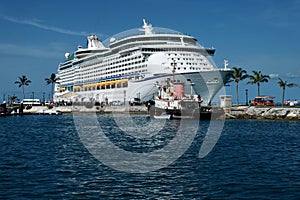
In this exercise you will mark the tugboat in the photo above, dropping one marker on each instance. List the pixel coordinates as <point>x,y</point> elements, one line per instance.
<point>171,102</point>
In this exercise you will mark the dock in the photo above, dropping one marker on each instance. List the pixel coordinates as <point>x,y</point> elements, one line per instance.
<point>233,112</point>
<point>44,110</point>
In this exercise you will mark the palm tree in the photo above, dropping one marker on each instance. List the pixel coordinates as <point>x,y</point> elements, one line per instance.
<point>23,81</point>
<point>237,75</point>
<point>52,80</point>
<point>258,78</point>
<point>283,85</point>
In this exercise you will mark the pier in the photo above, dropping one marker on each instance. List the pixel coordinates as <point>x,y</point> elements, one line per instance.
<point>36,110</point>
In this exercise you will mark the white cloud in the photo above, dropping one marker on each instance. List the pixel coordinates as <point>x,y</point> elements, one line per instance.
<point>293,75</point>
<point>273,75</point>
<point>35,23</point>
<point>32,51</point>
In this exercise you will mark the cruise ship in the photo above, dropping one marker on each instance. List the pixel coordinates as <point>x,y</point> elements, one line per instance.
<point>133,63</point>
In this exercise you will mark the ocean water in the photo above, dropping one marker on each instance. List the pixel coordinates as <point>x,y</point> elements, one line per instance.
<point>44,157</point>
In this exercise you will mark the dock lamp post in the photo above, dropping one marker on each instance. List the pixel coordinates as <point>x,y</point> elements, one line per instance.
<point>124,92</point>
<point>43,97</point>
<point>246,97</point>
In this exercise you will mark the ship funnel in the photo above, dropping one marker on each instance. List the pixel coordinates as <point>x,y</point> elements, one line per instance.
<point>94,43</point>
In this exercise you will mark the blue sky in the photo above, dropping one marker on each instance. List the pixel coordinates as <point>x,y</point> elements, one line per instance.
<point>254,35</point>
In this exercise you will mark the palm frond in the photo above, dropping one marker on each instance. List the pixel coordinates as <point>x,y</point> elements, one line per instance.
<point>52,79</point>
<point>292,85</point>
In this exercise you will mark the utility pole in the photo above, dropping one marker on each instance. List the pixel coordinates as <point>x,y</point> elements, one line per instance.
<point>44,97</point>
<point>191,84</point>
<point>246,97</point>
<point>32,97</point>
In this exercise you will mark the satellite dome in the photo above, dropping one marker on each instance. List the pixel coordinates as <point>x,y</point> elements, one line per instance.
<point>112,39</point>
<point>67,55</point>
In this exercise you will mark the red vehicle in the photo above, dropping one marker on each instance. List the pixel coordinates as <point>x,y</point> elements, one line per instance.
<point>263,101</point>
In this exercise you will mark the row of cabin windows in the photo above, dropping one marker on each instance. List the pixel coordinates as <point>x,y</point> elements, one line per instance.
<point>116,67</point>
<point>189,59</point>
<point>188,63</point>
<point>102,87</point>
<point>108,62</point>
<point>93,78</point>
<point>95,74</point>
<point>191,68</point>
<point>128,73</point>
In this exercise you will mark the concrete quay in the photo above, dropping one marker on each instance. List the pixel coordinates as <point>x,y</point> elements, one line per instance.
<point>87,109</point>
<point>272,113</point>
<point>235,112</point>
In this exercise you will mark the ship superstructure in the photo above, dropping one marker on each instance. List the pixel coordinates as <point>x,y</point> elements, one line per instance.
<point>132,62</point>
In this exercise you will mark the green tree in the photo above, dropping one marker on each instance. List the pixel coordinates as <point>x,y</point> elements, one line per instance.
<point>52,80</point>
<point>238,75</point>
<point>23,81</point>
<point>258,78</point>
<point>283,85</point>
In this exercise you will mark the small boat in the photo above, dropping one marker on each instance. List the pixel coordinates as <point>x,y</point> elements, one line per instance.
<point>49,112</point>
<point>162,116</point>
<point>230,116</point>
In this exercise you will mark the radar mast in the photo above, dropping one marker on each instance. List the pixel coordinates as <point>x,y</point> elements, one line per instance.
<point>147,28</point>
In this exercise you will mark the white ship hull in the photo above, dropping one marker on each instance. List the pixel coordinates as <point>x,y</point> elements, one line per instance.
<point>206,85</point>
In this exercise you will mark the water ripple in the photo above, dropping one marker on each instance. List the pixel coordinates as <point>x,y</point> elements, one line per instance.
<point>42,157</point>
